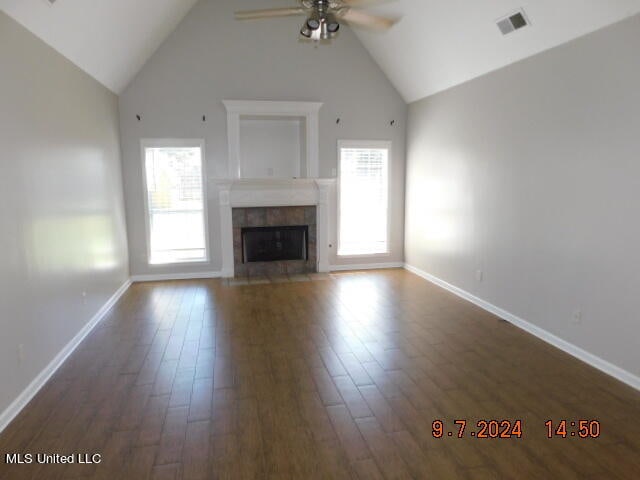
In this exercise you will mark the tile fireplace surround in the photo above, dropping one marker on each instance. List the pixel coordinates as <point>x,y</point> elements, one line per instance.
<point>271,202</point>
<point>274,217</point>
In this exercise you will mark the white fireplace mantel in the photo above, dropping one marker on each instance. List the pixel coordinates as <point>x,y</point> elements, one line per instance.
<point>274,193</point>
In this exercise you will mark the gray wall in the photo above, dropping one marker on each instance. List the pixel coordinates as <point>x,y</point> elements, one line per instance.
<point>532,175</point>
<point>62,229</point>
<point>210,58</point>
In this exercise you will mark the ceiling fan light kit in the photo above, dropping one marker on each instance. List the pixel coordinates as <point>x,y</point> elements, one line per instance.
<point>324,16</point>
<point>306,31</point>
<point>314,20</point>
<point>332,23</point>
<point>324,32</point>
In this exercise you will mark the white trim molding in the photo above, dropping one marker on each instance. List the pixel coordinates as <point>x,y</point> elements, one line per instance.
<point>366,266</point>
<point>577,352</point>
<point>43,377</point>
<point>254,108</point>
<point>160,277</point>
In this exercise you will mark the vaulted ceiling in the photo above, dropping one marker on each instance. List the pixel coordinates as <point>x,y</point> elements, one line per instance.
<point>109,39</point>
<point>436,45</point>
<point>441,43</point>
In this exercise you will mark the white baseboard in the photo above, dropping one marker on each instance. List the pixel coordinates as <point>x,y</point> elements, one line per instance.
<point>593,360</point>
<point>34,387</point>
<point>159,277</point>
<point>365,266</point>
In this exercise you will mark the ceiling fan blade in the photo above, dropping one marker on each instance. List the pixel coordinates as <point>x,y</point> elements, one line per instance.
<point>269,13</point>
<point>368,20</point>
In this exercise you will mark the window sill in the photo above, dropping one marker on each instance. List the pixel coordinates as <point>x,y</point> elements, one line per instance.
<point>364,255</point>
<point>181,263</point>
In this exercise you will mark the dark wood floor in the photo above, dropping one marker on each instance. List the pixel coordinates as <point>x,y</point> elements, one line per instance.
<point>338,377</point>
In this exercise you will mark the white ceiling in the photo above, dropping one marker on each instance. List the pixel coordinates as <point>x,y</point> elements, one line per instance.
<point>442,43</point>
<point>109,39</point>
<point>436,45</point>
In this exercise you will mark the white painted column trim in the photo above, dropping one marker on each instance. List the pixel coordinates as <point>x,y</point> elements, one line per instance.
<point>226,229</point>
<point>322,222</point>
<point>313,144</point>
<point>233,138</point>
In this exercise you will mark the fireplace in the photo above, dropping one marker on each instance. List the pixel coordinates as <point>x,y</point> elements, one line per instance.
<point>272,244</point>
<point>274,241</point>
<point>248,203</point>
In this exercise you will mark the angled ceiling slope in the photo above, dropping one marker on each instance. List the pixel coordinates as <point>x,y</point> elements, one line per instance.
<point>442,43</point>
<point>109,39</point>
<point>438,43</point>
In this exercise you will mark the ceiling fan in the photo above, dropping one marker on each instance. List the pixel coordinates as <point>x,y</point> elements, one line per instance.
<point>324,16</point>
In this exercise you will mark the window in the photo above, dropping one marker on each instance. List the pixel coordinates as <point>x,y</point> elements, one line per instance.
<point>175,201</point>
<point>363,198</point>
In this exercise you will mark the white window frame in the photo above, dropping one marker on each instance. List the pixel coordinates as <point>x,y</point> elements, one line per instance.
<point>177,143</point>
<point>373,144</point>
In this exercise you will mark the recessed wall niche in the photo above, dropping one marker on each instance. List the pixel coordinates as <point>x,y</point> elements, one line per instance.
<point>268,139</point>
<point>273,147</point>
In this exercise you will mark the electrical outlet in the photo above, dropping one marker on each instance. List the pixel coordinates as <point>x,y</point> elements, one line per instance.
<point>84,298</point>
<point>20,353</point>
<point>479,275</point>
<point>576,318</point>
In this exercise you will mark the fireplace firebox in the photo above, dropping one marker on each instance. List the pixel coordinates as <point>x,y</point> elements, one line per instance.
<point>272,244</point>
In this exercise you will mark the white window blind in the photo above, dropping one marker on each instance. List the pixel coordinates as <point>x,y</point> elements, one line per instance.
<point>363,228</point>
<point>175,204</point>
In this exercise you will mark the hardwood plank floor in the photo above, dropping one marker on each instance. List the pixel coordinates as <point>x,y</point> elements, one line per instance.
<point>338,376</point>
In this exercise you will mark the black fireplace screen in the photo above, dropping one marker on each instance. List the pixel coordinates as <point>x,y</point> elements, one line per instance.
<point>270,244</point>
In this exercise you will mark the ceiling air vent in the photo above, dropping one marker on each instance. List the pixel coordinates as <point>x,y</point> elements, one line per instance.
<point>513,22</point>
